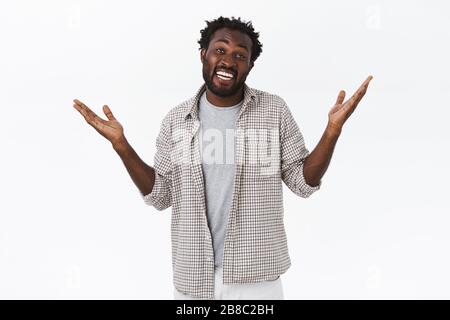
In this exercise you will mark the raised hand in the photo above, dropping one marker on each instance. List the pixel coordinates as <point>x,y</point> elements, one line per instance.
<point>341,111</point>
<point>111,129</point>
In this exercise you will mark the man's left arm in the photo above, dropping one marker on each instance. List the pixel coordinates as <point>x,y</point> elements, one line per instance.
<point>316,164</point>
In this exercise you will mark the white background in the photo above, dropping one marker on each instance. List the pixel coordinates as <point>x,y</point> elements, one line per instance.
<point>73,225</point>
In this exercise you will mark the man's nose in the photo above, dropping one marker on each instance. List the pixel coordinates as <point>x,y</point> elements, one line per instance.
<point>228,62</point>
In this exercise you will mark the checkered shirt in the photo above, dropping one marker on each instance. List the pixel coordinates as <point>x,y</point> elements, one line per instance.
<point>269,150</point>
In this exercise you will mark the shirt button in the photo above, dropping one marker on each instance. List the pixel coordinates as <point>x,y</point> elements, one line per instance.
<point>208,259</point>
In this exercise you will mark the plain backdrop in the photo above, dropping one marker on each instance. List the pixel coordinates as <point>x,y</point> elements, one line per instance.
<point>73,225</point>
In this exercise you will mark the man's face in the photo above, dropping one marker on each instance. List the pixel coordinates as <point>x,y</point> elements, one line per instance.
<point>226,62</point>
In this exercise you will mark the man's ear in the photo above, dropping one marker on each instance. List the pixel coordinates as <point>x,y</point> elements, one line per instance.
<point>202,55</point>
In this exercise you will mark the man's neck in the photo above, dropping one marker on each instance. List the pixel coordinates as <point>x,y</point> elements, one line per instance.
<point>225,101</point>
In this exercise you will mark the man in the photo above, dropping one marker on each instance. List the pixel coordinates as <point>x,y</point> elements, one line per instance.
<point>220,162</point>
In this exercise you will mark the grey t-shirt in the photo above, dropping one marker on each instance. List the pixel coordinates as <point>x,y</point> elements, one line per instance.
<point>217,125</point>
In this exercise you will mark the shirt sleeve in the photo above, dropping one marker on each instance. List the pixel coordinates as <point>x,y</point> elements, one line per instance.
<point>293,155</point>
<point>161,195</point>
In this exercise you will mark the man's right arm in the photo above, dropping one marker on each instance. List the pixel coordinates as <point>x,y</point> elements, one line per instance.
<point>154,185</point>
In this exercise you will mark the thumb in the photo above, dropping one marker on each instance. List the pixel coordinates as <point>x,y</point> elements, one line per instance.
<point>108,113</point>
<point>340,97</point>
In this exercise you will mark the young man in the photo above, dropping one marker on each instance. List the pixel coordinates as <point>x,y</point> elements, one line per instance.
<point>220,162</point>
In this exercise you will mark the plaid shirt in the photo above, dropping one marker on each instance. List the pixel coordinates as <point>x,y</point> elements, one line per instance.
<point>255,247</point>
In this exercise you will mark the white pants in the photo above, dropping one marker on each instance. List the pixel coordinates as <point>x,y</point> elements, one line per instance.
<point>264,290</point>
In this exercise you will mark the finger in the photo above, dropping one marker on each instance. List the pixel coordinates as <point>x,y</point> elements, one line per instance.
<point>82,106</point>
<point>90,116</point>
<point>79,103</point>
<point>359,92</point>
<point>363,88</point>
<point>108,113</point>
<point>366,82</point>
<point>364,85</point>
<point>350,105</point>
<point>357,96</point>
<point>341,97</point>
<point>80,110</point>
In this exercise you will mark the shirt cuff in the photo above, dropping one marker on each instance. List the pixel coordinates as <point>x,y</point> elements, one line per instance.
<point>150,198</point>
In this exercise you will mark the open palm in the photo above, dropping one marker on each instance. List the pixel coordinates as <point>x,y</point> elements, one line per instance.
<point>341,111</point>
<point>111,129</point>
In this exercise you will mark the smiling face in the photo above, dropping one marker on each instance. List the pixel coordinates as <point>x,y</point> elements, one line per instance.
<point>226,62</point>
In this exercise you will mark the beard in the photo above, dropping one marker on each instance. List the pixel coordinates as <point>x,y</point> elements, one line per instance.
<point>222,91</point>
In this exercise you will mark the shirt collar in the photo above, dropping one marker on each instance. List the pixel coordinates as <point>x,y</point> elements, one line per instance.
<point>192,110</point>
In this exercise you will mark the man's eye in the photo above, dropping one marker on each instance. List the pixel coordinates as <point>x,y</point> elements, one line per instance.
<point>241,56</point>
<point>219,50</point>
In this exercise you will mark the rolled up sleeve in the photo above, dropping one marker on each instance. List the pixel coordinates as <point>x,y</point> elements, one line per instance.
<point>161,195</point>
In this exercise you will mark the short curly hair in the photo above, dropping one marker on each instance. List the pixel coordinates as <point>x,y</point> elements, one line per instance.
<point>234,24</point>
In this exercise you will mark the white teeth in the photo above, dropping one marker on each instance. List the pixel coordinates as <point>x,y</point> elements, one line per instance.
<point>223,78</point>
<point>224,74</point>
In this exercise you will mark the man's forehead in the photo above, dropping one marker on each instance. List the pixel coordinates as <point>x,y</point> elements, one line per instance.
<point>231,35</point>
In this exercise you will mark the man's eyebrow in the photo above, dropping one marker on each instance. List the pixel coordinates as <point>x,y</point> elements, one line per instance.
<point>239,44</point>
